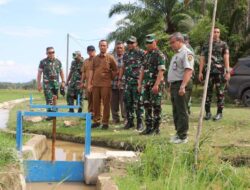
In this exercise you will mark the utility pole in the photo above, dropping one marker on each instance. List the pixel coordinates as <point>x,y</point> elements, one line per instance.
<point>67,57</point>
<point>199,129</point>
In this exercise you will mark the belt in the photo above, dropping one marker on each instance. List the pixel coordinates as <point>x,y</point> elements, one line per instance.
<point>176,82</point>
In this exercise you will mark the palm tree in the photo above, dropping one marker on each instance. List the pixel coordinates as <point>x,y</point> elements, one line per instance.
<point>148,15</point>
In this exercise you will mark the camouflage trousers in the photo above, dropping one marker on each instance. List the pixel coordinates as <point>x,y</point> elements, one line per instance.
<point>72,94</point>
<point>152,105</point>
<point>219,82</point>
<point>133,102</point>
<point>50,89</point>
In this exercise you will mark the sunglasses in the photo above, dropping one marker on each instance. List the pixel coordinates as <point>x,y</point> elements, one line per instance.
<point>51,52</point>
<point>149,42</point>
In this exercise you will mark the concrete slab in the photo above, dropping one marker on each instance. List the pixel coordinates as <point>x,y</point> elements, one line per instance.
<point>94,165</point>
<point>119,154</point>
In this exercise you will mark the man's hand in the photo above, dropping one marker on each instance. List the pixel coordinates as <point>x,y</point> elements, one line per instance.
<point>39,87</point>
<point>82,85</point>
<point>119,84</point>
<point>182,91</point>
<point>227,76</point>
<point>90,87</point>
<point>200,77</point>
<point>63,84</point>
<point>139,88</point>
<point>155,89</point>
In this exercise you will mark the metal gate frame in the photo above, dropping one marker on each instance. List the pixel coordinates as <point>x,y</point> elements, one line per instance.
<point>47,171</point>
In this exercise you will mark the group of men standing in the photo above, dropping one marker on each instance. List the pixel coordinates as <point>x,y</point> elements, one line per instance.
<point>132,81</point>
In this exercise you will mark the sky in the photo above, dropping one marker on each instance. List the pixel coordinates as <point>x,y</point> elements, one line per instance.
<point>27,27</point>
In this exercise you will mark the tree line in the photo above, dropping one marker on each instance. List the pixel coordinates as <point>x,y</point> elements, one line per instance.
<point>192,17</point>
<point>26,86</point>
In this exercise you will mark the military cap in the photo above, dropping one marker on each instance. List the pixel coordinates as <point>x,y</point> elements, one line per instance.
<point>132,39</point>
<point>150,37</point>
<point>90,48</point>
<point>185,36</point>
<point>76,53</point>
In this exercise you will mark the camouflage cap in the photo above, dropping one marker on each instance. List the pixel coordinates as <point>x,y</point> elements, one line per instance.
<point>76,53</point>
<point>150,37</point>
<point>185,36</point>
<point>132,39</point>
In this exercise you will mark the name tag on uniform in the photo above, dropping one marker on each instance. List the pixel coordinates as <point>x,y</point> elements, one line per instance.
<point>175,66</point>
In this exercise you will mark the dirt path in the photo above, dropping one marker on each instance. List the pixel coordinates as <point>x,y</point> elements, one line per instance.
<point>5,108</point>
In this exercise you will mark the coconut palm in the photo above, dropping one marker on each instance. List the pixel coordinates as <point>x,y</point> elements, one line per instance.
<point>145,16</point>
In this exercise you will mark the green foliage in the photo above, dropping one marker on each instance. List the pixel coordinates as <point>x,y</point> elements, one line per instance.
<point>165,166</point>
<point>27,85</point>
<point>7,150</point>
<point>148,16</point>
<point>168,16</point>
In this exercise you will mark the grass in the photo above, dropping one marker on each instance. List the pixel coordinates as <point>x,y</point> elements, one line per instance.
<point>166,166</point>
<point>7,150</point>
<point>12,94</point>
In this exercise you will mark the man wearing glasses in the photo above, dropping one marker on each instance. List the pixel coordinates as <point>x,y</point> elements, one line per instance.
<point>219,73</point>
<point>179,75</point>
<point>152,76</point>
<point>51,68</point>
<point>132,60</point>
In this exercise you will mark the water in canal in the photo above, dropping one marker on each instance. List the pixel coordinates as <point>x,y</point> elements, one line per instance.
<point>70,152</point>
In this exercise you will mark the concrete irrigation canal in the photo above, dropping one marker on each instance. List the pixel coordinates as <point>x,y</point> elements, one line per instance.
<point>50,164</point>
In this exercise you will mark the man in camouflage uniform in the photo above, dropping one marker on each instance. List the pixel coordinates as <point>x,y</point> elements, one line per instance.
<point>85,75</point>
<point>132,60</point>
<point>152,75</point>
<point>74,81</point>
<point>219,73</point>
<point>51,68</point>
<point>117,97</point>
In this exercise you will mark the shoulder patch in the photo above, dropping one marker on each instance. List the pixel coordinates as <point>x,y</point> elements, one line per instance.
<point>190,57</point>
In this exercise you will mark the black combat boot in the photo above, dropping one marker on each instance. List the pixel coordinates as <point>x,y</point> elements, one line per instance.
<point>95,125</point>
<point>139,126</point>
<point>208,116</point>
<point>71,110</point>
<point>130,124</point>
<point>105,126</point>
<point>147,131</point>
<point>156,129</point>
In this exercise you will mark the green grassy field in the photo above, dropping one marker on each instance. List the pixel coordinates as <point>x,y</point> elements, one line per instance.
<point>166,166</point>
<point>11,94</point>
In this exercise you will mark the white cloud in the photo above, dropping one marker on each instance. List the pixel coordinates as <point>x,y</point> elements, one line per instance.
<point>3,2</point>
<point>104,31</point>
<point>61,9</point>
<point>26,31</point>
<point>12,71</point>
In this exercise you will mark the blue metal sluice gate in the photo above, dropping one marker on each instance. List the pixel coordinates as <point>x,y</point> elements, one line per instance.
<point>53,171</point>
